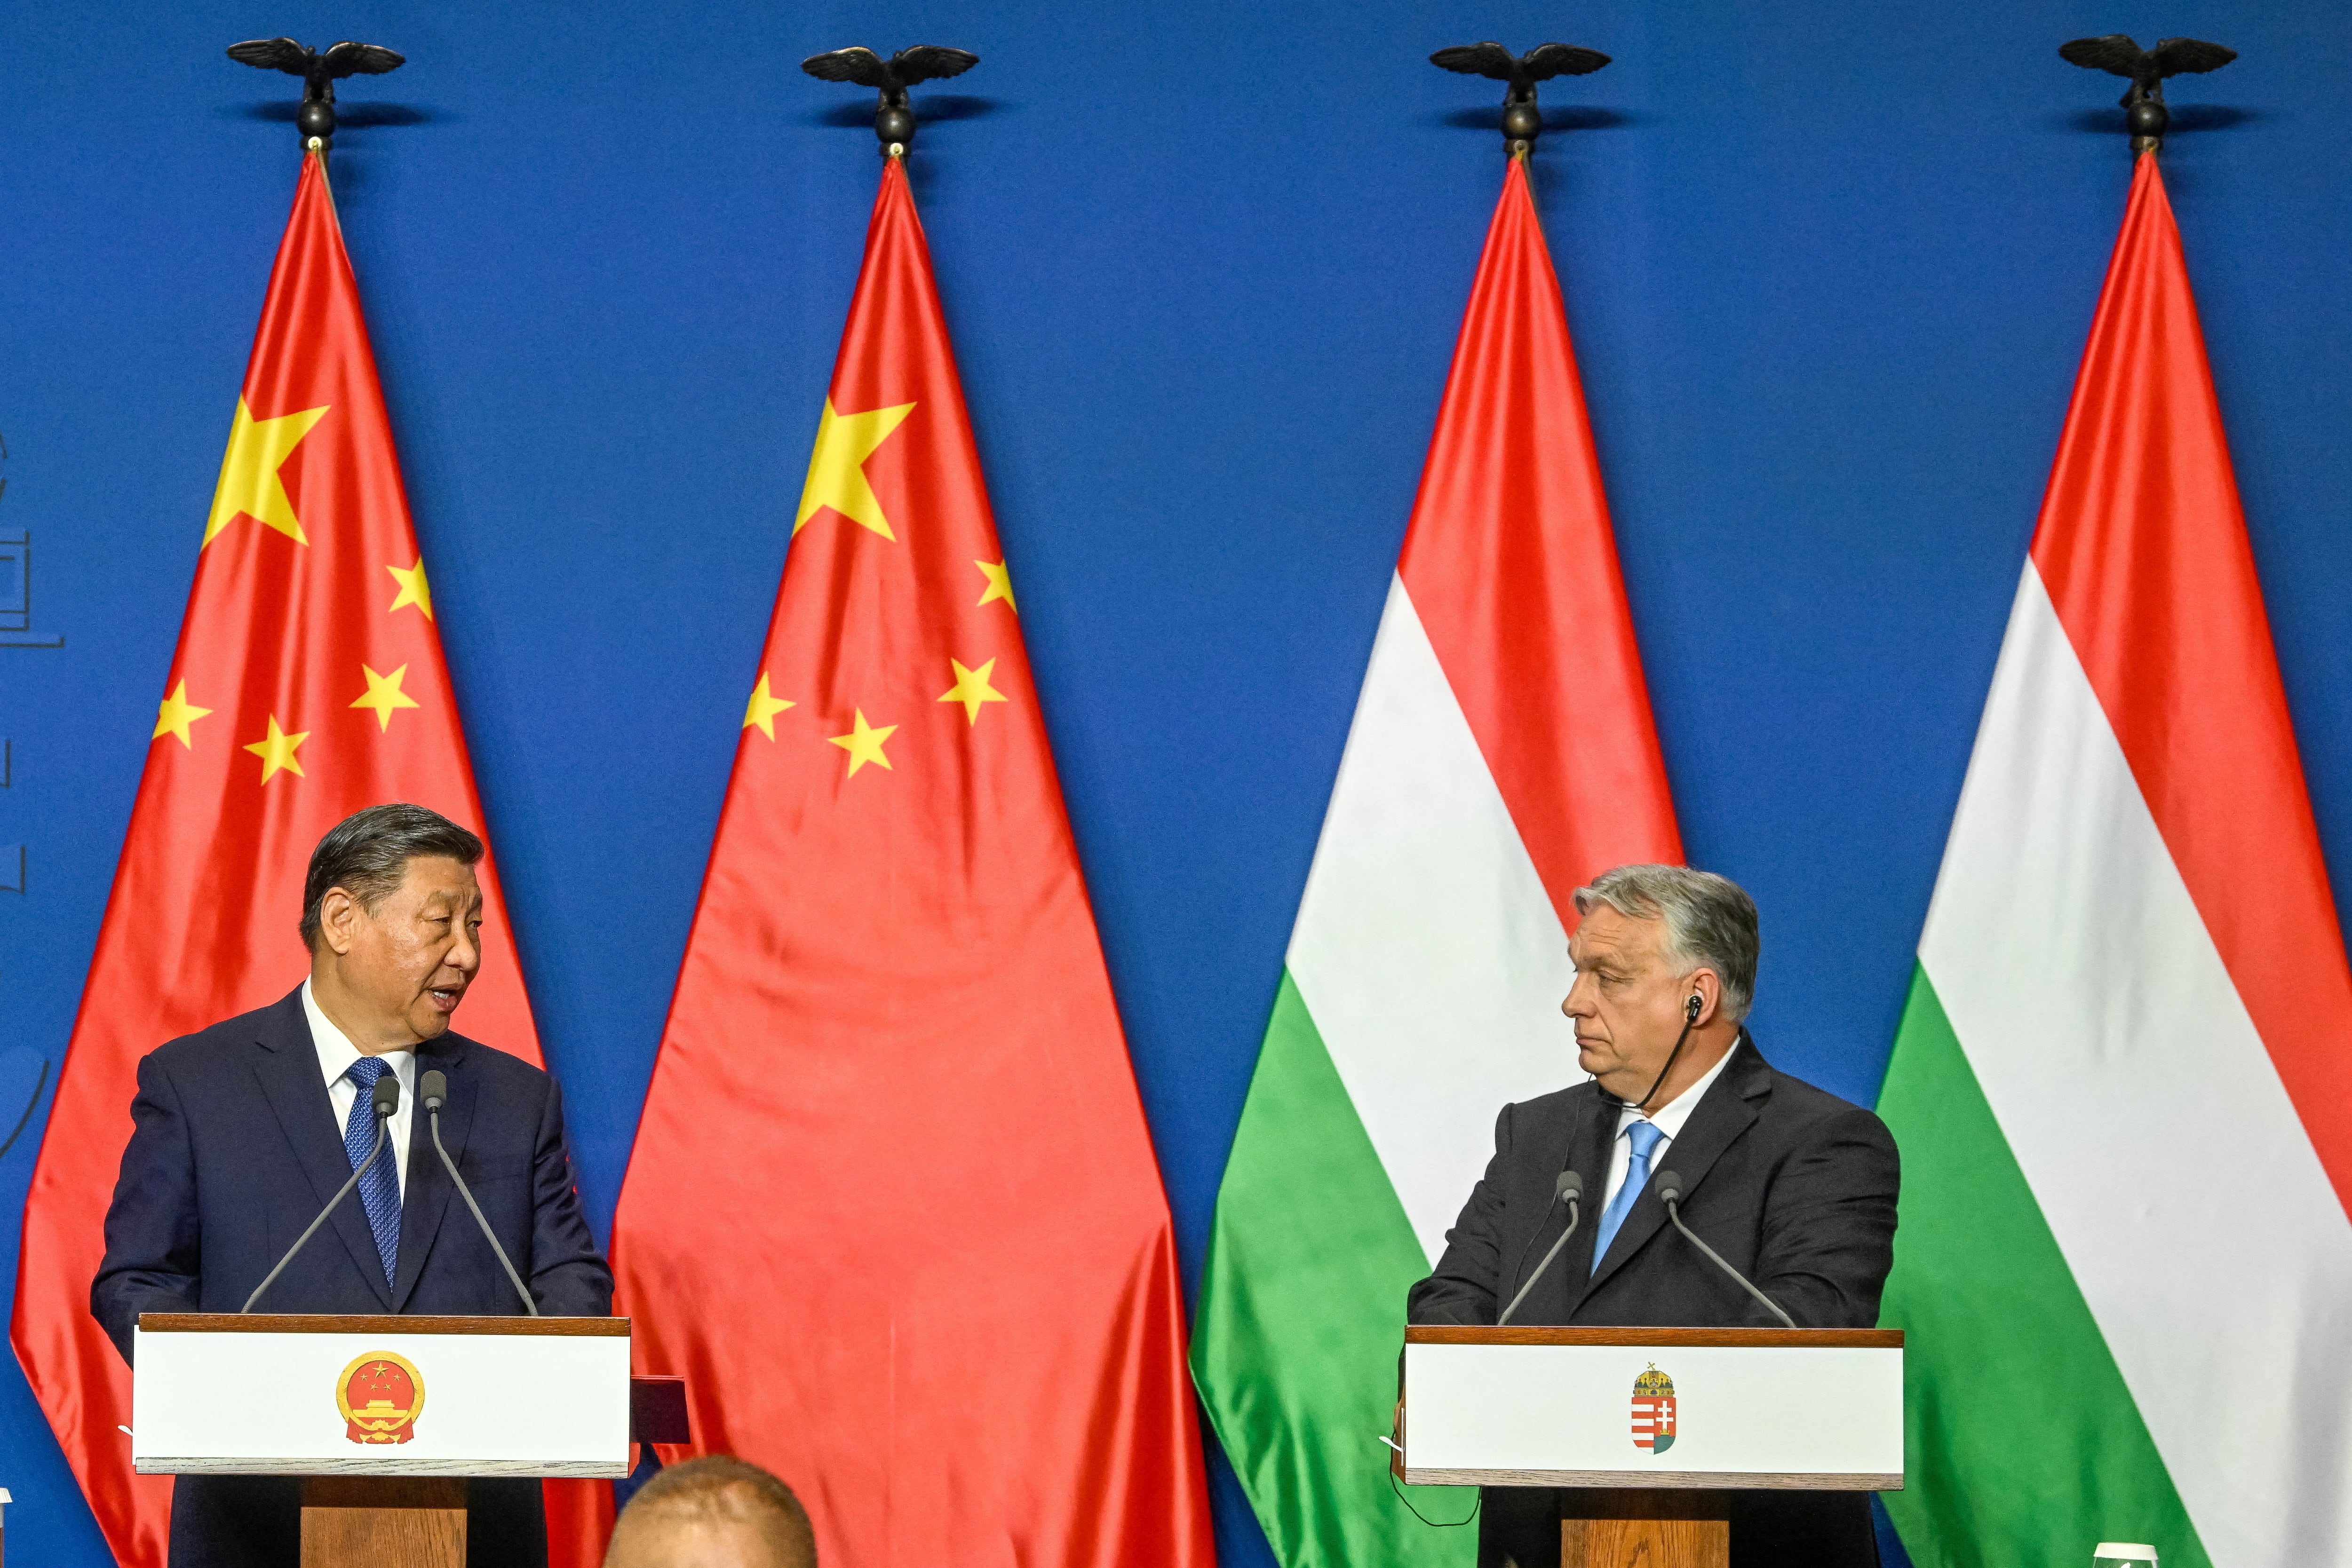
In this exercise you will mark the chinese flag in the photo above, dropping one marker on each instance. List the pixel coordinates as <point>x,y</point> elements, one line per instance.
<point>893,1210</point>
<point>308,682</point>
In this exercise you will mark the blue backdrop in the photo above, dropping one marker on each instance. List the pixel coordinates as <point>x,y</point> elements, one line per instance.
<point>1829,267</point>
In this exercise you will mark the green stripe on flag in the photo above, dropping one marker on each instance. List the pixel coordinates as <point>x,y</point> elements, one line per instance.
<point>2024,1445</point>
<point>1302,1314</point>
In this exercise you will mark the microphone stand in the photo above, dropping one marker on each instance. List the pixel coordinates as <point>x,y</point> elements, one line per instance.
<point>386,1101</point>
<point>434,1090</point>
<point>1670,1192</point>
<point>1569,1189</point>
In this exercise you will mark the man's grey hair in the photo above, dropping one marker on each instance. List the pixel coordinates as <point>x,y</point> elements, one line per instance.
<point>1710,922</point>
<point>367,853</point>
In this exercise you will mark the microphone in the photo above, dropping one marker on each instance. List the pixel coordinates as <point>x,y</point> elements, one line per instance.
<point>1570,1186</point>
<point>432,1093</point>
<point>384,1102</point>
<point>1670,1192</point>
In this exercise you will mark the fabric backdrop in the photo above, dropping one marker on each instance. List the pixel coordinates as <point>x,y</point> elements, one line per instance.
<point>1829,270</point>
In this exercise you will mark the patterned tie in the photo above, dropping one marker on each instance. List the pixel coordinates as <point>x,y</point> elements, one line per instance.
<point>1645,1139</point>
<point>380,1188</point>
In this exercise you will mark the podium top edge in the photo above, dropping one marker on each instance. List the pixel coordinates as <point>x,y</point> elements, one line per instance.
<point>379,1324</point>
<point>1812,1339</point>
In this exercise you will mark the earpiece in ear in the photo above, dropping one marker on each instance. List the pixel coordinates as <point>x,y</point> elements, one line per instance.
<point>1693,1007</point>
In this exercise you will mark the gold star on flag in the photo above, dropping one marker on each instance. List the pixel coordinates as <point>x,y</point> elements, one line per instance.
<point>175,714</point>
<point>971,689</point>
<point>836,473</point>
<point>249,485</point>
<point>275,750</point>
<point>764,708</point>
<point>1000,584</point>
<point>384,694</point>
<point>413,589</point>
<point>864,744</point>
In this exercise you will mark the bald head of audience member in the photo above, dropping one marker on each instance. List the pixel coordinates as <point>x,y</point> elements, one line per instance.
<point>713,1513</point>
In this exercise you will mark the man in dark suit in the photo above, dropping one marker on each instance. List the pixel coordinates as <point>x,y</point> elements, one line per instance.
<point>241,1132</point>
<point>1794,1187</point>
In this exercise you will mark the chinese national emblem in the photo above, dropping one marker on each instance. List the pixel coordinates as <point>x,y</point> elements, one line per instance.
<point>381,1397</point>
<point>1654,1411</point>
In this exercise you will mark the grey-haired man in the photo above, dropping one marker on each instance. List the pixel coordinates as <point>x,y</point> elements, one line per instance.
<point>1795,1187</point>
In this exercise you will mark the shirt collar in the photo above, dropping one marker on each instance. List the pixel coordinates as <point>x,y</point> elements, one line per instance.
<point>336,1051</point>
<point>1669,1117</point>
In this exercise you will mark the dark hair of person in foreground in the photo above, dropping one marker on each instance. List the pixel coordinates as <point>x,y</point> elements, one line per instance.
<point>717,1512</point>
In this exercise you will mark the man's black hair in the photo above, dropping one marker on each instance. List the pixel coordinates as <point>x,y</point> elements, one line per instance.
<point>367,853</point>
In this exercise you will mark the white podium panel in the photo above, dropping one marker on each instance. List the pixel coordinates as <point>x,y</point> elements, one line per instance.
<point>222,1394</point>
<point>1821,1409</point>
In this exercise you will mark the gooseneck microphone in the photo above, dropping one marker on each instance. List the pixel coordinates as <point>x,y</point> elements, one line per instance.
<point>384,1102</point>
<point>1570,1185</point>
<point>432,1090</point>
<point>1670,1192</point>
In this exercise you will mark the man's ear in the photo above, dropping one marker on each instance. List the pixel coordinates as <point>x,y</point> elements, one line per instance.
<point>339,918</point>
<point>1706,987</point>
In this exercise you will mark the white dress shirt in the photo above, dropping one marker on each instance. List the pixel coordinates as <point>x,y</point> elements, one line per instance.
<point>1667,1118</point>
<point>336,1054</point>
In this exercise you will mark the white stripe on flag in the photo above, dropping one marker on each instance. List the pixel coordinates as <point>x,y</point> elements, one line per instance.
<point>2146,1113</point>
<point>1427,950</point>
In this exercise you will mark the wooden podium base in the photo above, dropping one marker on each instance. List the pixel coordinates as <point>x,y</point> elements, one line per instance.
<point>385,1521</point>
<point>1639,1527</point>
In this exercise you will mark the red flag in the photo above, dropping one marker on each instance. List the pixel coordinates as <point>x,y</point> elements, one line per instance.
<point>2143,546</point>
<point>308,682</point>
<point>893,1210</point>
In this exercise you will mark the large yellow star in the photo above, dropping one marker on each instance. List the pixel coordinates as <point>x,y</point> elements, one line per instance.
<point>384,694</point>
<point>1000,584</point>
<point>249,485</point>
<point>275,750</point>
<point>175,714</point>
<point>837,472</point>
<point>413,589</point>
<point>971,689</point>
<point>764,709</point>
<point>864,744</point>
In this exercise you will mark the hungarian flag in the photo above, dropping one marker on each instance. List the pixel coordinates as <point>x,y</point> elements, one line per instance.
<point>2123,1082</point>
<point>893,1209</point>
<point>1501,755</point>
<point>308,682</point>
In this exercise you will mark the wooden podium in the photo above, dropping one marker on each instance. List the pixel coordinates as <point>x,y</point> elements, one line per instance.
<point>1656,1427</point>
<point>383,1416</point>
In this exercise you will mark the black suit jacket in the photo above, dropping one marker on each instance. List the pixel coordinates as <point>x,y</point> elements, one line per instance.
<point>1795,1187</point>
<point>235,1147</point>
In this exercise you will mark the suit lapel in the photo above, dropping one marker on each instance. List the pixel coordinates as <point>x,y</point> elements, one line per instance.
<point>287,1063</point>
<point>426,1199</point>
<point>1722,1114</point>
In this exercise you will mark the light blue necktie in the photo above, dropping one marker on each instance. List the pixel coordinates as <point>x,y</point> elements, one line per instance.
<point>380,1188</point>
<point>1645,1139</point>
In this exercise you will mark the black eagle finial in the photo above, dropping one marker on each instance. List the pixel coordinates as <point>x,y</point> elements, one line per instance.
<point>1522,120</point>
<point>894,116</point>
<point>320,73</point>
<point>2145,115</point>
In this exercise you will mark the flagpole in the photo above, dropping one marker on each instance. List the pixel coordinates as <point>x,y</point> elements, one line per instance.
<point>893,113</point>
<point>1522,120</point>
<point>2145,114</point>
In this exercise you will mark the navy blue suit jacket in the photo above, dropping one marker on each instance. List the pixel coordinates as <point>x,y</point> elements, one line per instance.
<point>234,1149</point>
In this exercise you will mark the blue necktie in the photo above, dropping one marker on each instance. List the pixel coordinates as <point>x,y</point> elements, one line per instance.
<point>1645,1139</point>
<point>380,1188</point>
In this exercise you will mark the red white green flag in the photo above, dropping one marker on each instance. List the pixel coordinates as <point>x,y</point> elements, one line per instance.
<point>2123,1082</point>
<point>1501,755</point>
